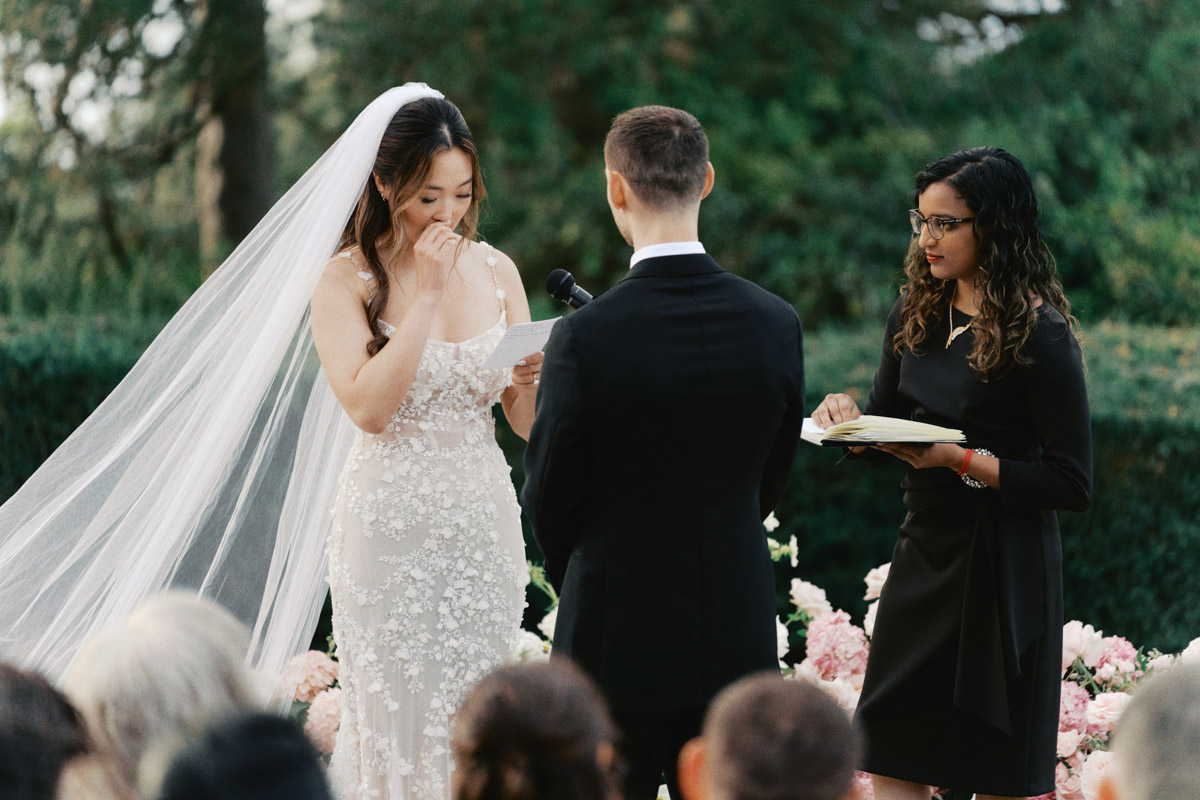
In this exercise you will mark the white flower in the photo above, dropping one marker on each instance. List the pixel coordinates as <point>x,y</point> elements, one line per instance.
<point>1068,743</point>
<point>546,626</point>
<point>1191,654</point>
<point>1094,770</point>
<point>1106,673</point>
<point>794,551</point>
<point>1105,709</point>
<point>810,598</point>
<point>532,648</point>
<point>781,638</point>
<point>806,672</point>
<point>1081,640</point>
<point>869,619</point>
<point>1160,663</point>
<point>842,692</point>
<point>770,523</point>
<point>875,580</point>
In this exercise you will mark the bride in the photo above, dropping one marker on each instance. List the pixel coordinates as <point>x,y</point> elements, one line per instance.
<point>214,465</point>
<point>427,564</point>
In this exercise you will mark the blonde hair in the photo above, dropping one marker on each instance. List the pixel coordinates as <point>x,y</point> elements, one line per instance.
<point>143,686</point>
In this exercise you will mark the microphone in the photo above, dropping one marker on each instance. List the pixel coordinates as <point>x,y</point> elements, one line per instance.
<point>562,287</point>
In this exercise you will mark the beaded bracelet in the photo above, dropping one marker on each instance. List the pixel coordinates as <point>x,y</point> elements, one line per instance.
<point>974,483</point>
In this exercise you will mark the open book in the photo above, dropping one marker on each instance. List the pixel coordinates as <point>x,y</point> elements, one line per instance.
<point>870,429</point>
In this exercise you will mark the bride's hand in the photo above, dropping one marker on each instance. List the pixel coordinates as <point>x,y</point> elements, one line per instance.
<point>433,256</point>
<point>527,372</point>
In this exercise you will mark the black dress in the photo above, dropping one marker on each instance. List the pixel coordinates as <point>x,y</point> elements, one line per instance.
<point>962,683</point>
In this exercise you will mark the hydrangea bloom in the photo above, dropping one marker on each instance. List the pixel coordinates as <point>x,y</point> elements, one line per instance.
<point>324,717</point>
<point>311,673</point>
<point>875,580</point>
<point>1072,714</point>
<point>836,646</point>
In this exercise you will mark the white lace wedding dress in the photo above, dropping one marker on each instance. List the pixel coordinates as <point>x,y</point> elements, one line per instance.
<point>426,570</point>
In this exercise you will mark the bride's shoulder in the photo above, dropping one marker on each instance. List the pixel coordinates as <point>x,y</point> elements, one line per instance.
<point>496,260</point>
<point>346,269</point>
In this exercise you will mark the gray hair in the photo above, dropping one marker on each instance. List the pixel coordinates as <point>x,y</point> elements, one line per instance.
<point>1156,744</point>
<point>145,685</point>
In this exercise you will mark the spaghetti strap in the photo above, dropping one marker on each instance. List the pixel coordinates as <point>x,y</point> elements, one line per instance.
<point>362,273</point>
<point>491,262</point>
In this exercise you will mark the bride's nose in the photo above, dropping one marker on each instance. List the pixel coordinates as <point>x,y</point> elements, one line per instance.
<point>443,211</point>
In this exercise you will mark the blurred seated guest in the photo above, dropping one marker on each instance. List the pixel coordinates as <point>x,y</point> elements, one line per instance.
<point>40,731</point>
<point>535,731</point>
<point>766,738</point>
<point>145,685</point>
<point>1156,744</point>
<point>250,757</point>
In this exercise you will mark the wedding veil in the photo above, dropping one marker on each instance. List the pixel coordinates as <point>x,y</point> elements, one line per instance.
<point>213,465</point>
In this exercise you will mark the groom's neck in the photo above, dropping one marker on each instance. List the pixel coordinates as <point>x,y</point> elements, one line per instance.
<point>648,229</point>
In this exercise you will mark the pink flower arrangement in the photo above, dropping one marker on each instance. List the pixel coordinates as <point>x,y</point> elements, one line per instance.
<point>837,648</point>
<point>311,673</point>
<point>324,718</point>
<point>1072,707</point>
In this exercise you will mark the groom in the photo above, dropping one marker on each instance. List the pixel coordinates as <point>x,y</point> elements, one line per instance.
<point>668,413</point>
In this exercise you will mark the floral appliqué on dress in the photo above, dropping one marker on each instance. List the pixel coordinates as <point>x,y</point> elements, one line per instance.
<point>427,572</point>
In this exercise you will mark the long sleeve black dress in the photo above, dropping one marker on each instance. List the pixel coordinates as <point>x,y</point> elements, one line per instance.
<point>962,683</point>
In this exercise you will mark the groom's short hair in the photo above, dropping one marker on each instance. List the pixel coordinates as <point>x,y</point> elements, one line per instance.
<point>773,739</point>
<point>662,152</point>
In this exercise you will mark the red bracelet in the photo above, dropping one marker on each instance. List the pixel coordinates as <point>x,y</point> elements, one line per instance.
<point>966,462</point>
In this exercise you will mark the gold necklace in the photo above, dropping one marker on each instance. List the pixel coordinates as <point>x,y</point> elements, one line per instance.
<point>954,332</point>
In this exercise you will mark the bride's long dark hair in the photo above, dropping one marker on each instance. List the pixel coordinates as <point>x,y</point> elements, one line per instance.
<point>1015,266</point>
<point>418,132</point>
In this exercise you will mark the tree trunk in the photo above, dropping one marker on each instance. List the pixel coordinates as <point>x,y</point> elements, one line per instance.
<point>235,154</point>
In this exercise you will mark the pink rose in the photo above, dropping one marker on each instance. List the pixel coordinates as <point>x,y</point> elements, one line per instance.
<point>1046,796</point>
<point>311,673</point>
<point>324,718</point>
<point>1072,709</point>
<point>1094,770</point>
<point>1081,640</point>
<point>1105,709</point>
<point>837,647</point>
<point>875,580</point>
<point>1068,743</point>
<point>1066,784</point>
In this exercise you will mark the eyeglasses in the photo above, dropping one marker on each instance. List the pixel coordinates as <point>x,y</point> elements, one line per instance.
<point>937,225</point>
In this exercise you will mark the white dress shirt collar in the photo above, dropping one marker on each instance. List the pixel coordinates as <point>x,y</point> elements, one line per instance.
<point>665,249</point>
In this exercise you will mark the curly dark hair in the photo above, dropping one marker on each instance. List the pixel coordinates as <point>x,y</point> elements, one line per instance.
<point>1015,266</point>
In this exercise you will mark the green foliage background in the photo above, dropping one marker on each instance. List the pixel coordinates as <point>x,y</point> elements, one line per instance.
<point>819,115</point>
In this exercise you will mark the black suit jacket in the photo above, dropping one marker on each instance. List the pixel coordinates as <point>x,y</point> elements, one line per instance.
<point>668,414</point>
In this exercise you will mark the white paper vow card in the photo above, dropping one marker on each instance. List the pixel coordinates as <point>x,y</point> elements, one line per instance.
<point>520,340</point>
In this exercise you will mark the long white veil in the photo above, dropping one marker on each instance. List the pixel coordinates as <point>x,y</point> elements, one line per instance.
<point>213,465</point>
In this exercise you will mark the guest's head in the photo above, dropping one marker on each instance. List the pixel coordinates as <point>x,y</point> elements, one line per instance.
<point>535,732</point>
<point>144,685</point>
<point>426,171</point>
<point>1156,744</point>
<point>40,731</point>
<point>250,757</point>
<point>656,164</point>
<point>765,738</point>
<point>998,249</point>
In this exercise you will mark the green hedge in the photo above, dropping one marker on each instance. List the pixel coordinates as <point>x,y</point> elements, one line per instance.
<point>1131,561</point>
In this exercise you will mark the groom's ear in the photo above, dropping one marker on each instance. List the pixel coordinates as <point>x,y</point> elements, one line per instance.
<point>618,189</point>
<point>709,177</point>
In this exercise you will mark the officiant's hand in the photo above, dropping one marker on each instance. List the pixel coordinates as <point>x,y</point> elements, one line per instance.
<point>920,456</point>
<point>835,408</point>
<point>433,257</point>
<point>528,370</point>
